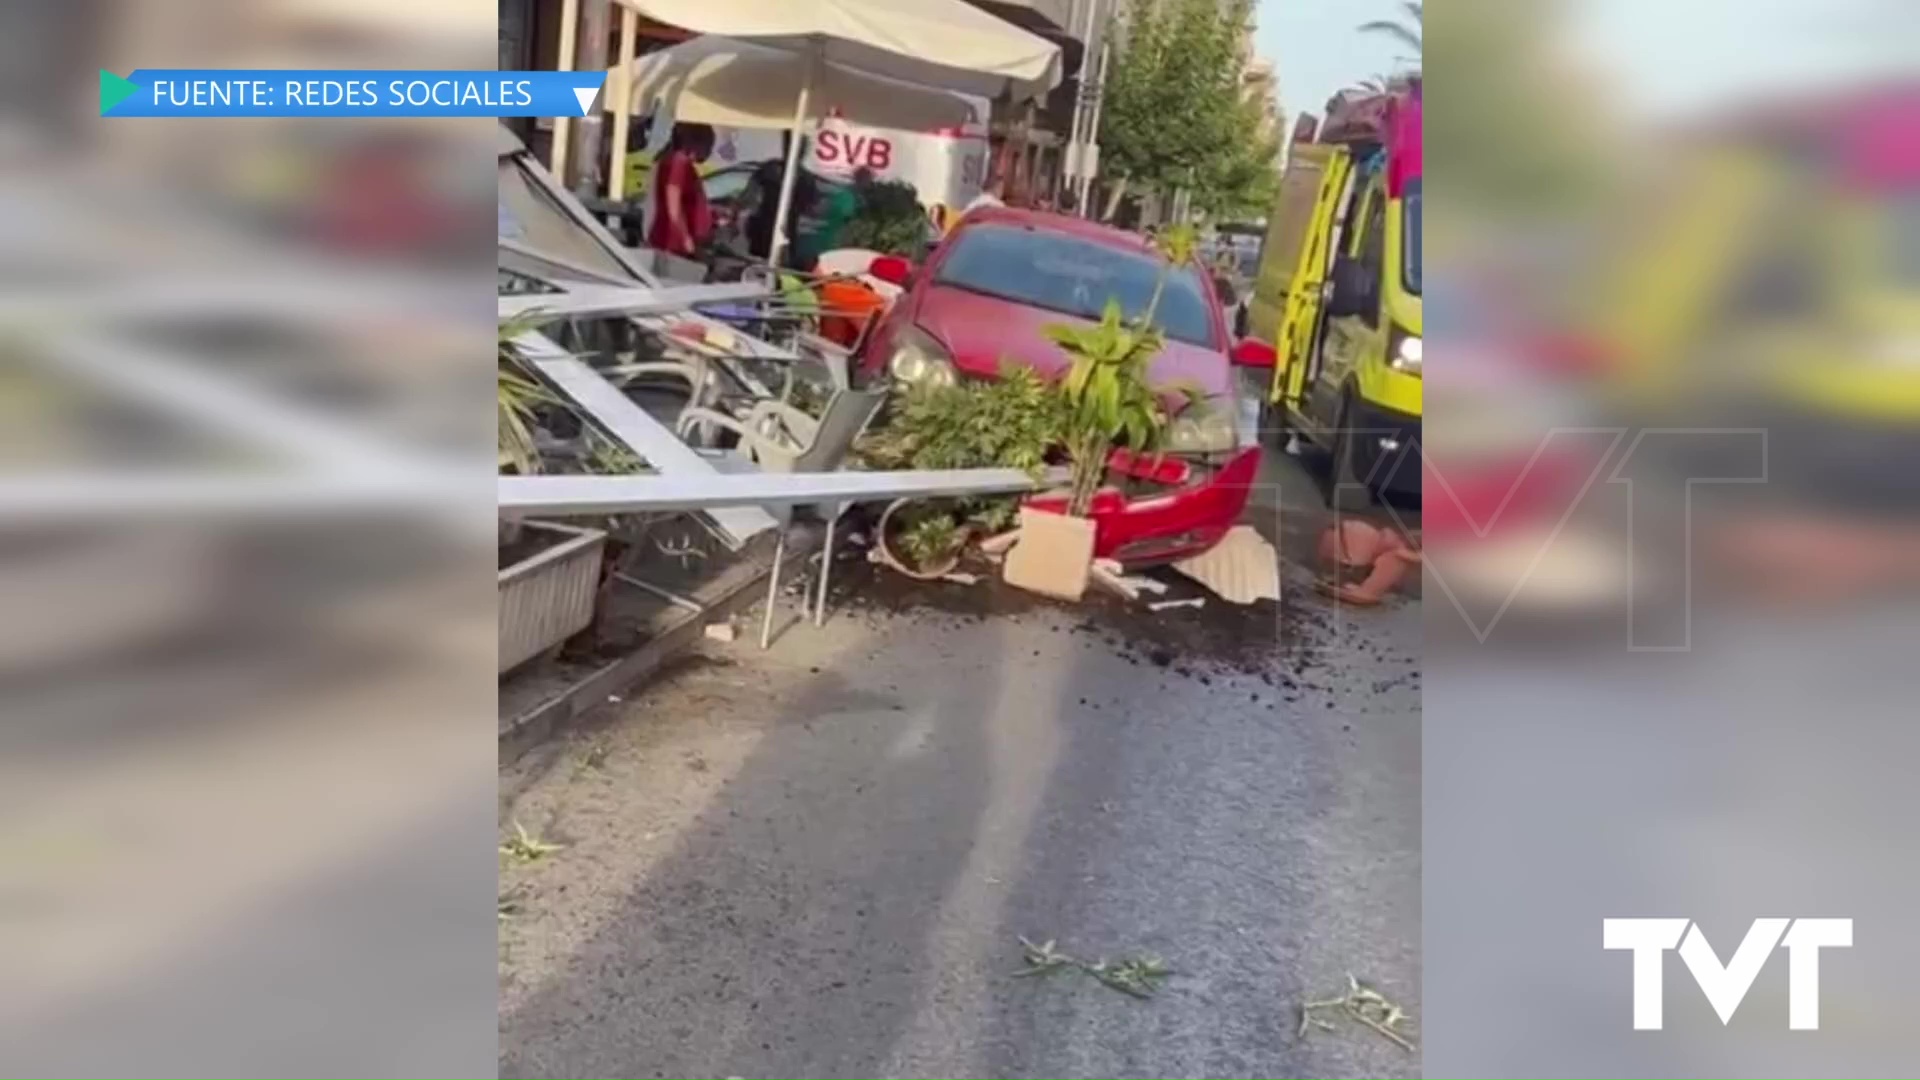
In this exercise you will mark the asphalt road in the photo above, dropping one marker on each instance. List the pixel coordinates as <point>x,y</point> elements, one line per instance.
<point>818,860</point>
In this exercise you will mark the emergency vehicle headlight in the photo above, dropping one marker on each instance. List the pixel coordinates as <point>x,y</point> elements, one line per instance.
<point>1406,355</point>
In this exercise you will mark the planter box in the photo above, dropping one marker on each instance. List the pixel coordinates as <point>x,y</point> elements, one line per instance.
<point>1053,555</point>
<point>547,597</point>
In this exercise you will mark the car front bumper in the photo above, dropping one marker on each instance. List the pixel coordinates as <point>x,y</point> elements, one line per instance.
<point>1172,524</point>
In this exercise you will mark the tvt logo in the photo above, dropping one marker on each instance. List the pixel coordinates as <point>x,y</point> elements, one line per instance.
<point>1726,984</point>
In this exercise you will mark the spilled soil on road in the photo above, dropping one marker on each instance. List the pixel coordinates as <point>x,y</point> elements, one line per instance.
<point>1281,643</point>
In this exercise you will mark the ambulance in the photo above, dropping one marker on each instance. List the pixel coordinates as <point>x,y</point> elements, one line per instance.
<point>1338,296</point>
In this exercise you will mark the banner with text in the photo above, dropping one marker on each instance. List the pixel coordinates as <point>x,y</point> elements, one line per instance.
<point>230,93</point>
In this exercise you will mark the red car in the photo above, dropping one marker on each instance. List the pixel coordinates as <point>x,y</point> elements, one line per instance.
<point>1000,276</point>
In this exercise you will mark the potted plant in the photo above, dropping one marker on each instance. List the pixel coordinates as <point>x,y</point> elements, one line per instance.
<point>1108,401</point>
<point>922,538</point>
<point>548,573</point>
<point>1015,422</point>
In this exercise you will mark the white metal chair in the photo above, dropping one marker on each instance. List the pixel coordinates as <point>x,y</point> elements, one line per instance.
<point>782,438</point>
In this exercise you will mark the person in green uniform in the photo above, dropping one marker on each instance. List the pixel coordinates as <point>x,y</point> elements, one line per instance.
<point>838,209</point>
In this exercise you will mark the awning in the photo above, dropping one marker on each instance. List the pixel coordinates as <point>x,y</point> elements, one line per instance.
<point>728,83</point>
<point>945,43</point>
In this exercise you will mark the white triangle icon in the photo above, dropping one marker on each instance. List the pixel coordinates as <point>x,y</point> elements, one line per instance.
<point>586,95</point>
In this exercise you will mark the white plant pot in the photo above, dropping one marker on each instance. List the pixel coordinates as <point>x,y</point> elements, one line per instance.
<point>549,596</point>
<point>1053,555</point>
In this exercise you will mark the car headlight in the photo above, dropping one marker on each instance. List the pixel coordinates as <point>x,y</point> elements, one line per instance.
<point>1406,355</point>
<point>918,360</point>
<point>1209,432</point>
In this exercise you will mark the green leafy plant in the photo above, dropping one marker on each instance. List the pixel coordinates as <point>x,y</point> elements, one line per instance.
<point>891,221</point>
<point>609,458</point>
<point>1016,421</point>
<point>524,847</point>
<point>1109,398</point>
<point>1364,1006</point>
<point>1137,976</point>
<point>520,395</point>
<point>932,537</point>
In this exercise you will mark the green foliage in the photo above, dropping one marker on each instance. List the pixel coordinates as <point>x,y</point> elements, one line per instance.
<point>931,537</point>
<point>1110,399</point>
<point>1406,30</point>
<point>609,458</point>
<point>1012,422</point>
<point>520,394</point>
<point>891,221</point>
<point>525,847</point>
<point>1135,976</point>
<point>1177,114</point>
<point>1243,180</point>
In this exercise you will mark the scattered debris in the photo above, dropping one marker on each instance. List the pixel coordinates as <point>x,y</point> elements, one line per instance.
<point>1189,602</point>
<point>670,597</point>
<point>524,847</point>
<point>1114,582</point>
<point>1367,1007</point>
<point>721,631</point>
<point>1137,976</point>
<point>1146,584</point>
<point>1241,568</point>
<point>998,545</point>
<point>684,553</point>
<point>509,903</point>
<point>592,758</point>
<point>960,577</point>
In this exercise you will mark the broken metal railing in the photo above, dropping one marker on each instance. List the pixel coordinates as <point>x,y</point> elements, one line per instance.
<point>599,496</point>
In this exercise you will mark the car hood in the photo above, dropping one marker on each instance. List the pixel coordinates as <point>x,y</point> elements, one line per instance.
<point>983,331</point>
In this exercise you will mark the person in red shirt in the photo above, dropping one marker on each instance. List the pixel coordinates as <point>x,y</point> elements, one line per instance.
<point>682,222</point>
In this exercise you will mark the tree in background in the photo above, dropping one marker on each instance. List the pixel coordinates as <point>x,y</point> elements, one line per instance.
<point>1177,116</point>
<point>1406,30</point>
<point>1241,181</point>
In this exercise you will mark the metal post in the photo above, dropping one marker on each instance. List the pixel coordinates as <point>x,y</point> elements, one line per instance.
<point>562,128</point>
<point>595,25</point>
<point>1092,133</point>
<point>773,586</point>
<point>826,567</point>
<point>816,60</point>
<point>620,96</point>
<point>1070,157</point>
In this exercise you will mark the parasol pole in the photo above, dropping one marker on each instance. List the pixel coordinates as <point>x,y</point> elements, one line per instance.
<point>816,57</point>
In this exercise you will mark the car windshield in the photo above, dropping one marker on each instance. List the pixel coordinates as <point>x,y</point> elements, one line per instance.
<point>727,184</point>
<point>1410,228</point>
<point>1073,276</point>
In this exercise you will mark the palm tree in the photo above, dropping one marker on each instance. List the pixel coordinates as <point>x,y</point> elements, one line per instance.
<point>1406,32</point>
